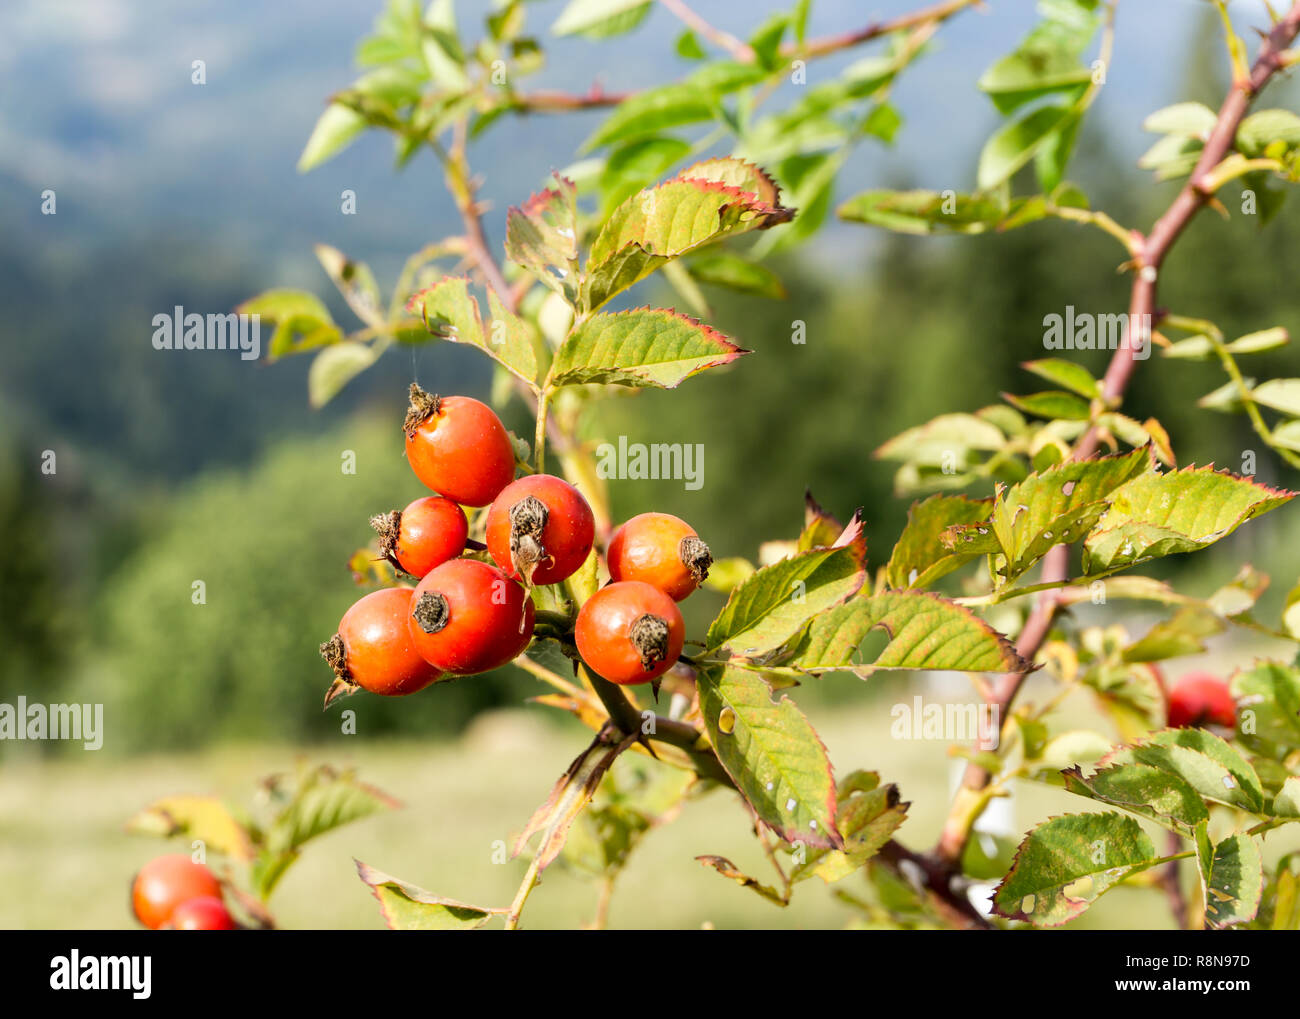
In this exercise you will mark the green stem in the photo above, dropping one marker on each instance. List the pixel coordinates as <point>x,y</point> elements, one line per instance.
<point>539,436</point>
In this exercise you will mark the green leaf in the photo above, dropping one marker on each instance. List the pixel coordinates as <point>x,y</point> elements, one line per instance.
<point>924,212</point>
<point>408,908</point>
<point>355,282</point>
<point>600,19</point>
<point>1183,634</point>
<point>1172,156</point>
<point>323,804</point>
<point>1185,120</point>
<point>944,437</point>
<point>1065,864</point>
<point>1279,394</point>
<point>1261,129</point>
<point>698,207</point>
<point>688,47</point>
<point>1057,506</point>
<point>1143,790</point>
<point>1052,404</point>
<point>1052,159</point>
<point>868,816</point>
<point>1067,374</point>
<point>1014,145</point>
<point>774,756</point>
<point>302,322</point>
<point>1287,801</point>
<point>651,111</point>
<point>205,818</point>
<point>925,632</point>
<point>636,163</point>
<point>451,312</point>
<point>1232,878</point>
<point>1265,339</point>
<point>543,234</point>
<point>920,557</point>
<point>1180,511</point>
<point>334,131</point>
<point>1205,762</point>
<point>1269,698</point>
<point>642,347</point>
<point>726,269</point>
<point>336,366</point>
<point>775,604</point>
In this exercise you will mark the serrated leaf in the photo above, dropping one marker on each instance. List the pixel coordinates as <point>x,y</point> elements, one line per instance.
<point>1015,144</point>
<point>542,234</point>
<point>1180,511</point>
<point>336,366</point>
<point>1232,878</point>
<point>1065,864</point>
<point>925,632</point>
<point>1205,762</point>
<point>772,753</point>
<point>451,312</point>
<point>205,818</point>
<point>323,805</point>
<point>775,603</point>
<point>1144,790</point>
<point>1056,506</point>
<point>699,206</point>
<point>334,131</point>
<point>868,816</point>
<point>1268,696</point>
<point>642,347</point>
<point>920,557</point>
<point>408,908</point>
<point>1068,374</point>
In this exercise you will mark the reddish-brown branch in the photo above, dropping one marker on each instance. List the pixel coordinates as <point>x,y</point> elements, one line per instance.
<point>827,44</point>
<point>724,40</point>
<point>1142,309</point>
<point>553,101</point>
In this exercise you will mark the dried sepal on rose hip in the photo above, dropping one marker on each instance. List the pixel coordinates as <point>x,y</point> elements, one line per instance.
<point>540,529</point>
<point>467,617</point>
<point>373,649</point>
<point>428,533</point>
<point>165,883</point>
<point>630,632</point>
<point>661,550</point>
<point>458,447</point>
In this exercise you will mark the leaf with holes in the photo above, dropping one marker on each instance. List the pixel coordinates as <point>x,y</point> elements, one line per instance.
<point>1056,506</point>
<point>1143,790</point>
<point>925,631</point>
<point>1066,863</point>
<point>774,604</point>
<point>869,814</point>
<point>408,908</point>
<point>1157,515</point>
<point>920,557</point>
<point>1232,877</point>
<point>542,234</point>
<point>773,754</point>
<point>1205,762</point>
<point>643,347</point>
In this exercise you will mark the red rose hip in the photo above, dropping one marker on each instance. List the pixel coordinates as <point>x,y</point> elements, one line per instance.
<point>205,913</point>
<point>630,632</point>
<point>458,447</point>
<point>1200,698</point>
<point>540,529</point>
<point>426,534</point>
<point>467,617</point>
<point>167,881</point>
<point>373,648</point>
<point>661,550</point>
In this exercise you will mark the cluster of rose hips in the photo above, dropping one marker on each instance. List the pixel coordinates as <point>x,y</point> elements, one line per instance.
<point>467,615</point>
<point>175,893</point>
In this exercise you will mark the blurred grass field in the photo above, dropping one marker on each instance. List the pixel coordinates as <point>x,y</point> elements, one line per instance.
<point>66,861</point>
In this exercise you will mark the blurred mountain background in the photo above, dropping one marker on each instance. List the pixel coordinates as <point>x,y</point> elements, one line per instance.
<point>181,466</point>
